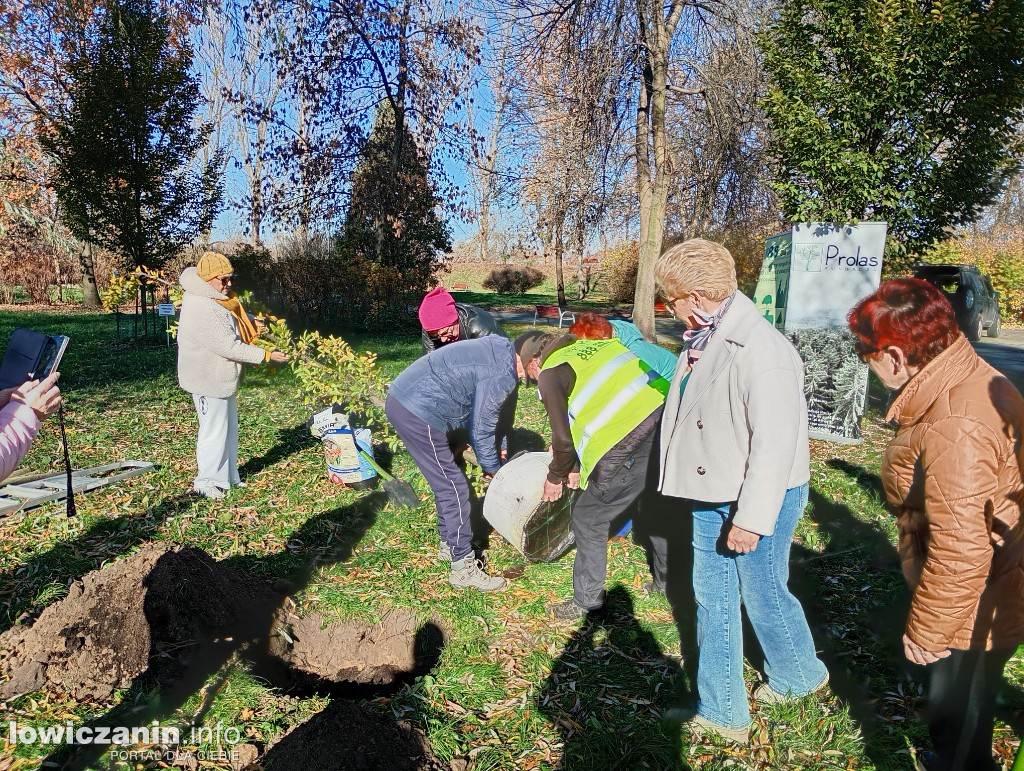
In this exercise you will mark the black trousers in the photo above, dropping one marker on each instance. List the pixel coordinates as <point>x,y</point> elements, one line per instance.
<point>608,494</point>
<point>962,692</point>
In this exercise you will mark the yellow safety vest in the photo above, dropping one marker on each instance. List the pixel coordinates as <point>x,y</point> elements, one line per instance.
<point>615,392</point>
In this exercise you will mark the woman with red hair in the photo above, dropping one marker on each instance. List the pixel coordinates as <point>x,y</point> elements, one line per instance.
<point>952,476</point>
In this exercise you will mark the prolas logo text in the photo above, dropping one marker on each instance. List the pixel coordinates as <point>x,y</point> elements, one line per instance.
<point>833,259</point>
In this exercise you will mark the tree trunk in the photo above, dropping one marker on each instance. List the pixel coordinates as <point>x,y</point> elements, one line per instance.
<point>657,38</point>
<point>90,295</point>
<point>485,232</point>
<point>582,274</point>
<point>643,295</point>
<point>559,249</point>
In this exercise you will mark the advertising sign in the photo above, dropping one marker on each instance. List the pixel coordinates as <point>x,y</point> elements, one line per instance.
<point>810,279</point>
<point>773,284</point>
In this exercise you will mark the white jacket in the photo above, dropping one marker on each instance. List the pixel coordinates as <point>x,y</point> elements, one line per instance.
<point>739,432</point>
<point>210,350</point>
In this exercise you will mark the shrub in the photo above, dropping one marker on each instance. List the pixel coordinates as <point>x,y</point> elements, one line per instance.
<point>512,280</point>
<point>620,265</point>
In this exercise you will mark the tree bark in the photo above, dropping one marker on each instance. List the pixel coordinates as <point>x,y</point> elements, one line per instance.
<point>90,295</point>
<point>643,294</point>
<point>656,35</point>
<point>559,251</point>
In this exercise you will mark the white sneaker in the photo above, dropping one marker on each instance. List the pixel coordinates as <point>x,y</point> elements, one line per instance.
<point>468,573</point>
<point>208,490</point>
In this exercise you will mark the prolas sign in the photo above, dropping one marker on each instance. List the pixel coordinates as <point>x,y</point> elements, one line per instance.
<point>833,259</point>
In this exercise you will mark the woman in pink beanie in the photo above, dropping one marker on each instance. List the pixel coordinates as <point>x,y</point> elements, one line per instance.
<point>446,321</point>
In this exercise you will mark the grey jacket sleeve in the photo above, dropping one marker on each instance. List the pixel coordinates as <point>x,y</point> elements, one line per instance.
<point>488,404</point>
<point>773,417</point>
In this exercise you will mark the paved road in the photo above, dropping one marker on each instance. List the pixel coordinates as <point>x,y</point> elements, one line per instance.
<point>1005,353</point>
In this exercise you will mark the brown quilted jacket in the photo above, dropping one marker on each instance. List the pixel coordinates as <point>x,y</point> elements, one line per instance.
<point>952,475</point>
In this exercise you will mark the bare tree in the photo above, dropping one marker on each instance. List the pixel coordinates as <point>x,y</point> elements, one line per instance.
<point>340,59</point>
<point>567,120</point>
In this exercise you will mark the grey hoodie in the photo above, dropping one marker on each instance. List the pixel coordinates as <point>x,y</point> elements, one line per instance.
<point>210,350</point>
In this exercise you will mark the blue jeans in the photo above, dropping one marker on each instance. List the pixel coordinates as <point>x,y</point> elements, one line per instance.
<point>722,580</point>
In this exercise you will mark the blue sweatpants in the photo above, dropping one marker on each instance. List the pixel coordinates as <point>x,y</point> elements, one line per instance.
<point>430,450</point>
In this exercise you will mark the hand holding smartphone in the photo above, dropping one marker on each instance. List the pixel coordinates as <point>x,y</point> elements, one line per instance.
<point>42,396</point>
<point>31,355</point>
<point>51,357</point>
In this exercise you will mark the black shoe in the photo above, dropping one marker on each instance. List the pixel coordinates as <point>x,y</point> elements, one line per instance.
<point>654,589</point>
<point>570,611</point>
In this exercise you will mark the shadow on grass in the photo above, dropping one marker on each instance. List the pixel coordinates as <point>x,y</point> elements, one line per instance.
<point>607,698</point>
<point>289,441</point>
<point>321,541</point>
<point>857,601</point>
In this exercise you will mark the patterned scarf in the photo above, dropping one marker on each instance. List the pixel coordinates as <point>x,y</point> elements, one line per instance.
<point>697,339</point>
<point>246,329</point>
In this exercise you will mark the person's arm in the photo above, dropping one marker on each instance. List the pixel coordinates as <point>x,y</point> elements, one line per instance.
<point>555,385</point>
<point>961,474</point>
<point>28,405</point>
<point>224,341</point>
<point>506,421</point>
<point>489,399</point>
<point>662,360</point>
<point>476,322</point>
<point>19,425</point>
<point>774,413</point>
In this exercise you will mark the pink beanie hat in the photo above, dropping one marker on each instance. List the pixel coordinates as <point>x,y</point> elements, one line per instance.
<point>438,309</point>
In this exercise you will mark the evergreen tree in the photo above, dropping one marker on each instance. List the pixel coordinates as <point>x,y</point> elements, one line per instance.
<point>125,144</point>
<point>897,110</point>
<point>392,218</point>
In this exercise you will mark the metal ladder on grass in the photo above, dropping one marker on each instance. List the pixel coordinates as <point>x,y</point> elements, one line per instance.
<point>29,494</point>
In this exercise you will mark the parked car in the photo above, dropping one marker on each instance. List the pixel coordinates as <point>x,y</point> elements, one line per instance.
<point>970,291</point>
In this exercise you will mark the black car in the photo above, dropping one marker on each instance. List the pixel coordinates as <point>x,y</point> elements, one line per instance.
<point>970,291</point>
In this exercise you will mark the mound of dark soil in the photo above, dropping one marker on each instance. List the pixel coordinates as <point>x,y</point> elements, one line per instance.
<point>153,612</point>
<point>347,737</point>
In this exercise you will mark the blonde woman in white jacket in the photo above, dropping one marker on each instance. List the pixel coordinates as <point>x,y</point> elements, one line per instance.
<point>734,445</point>
<point>213,335</point>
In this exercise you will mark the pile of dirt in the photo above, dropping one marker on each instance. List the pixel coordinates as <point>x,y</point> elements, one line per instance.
<point>348,737</point>
<point>150,614</point>
<point>349,651</point>
<point>157,618</point>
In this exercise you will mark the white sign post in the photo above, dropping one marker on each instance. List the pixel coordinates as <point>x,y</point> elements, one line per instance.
<point>167,311</point>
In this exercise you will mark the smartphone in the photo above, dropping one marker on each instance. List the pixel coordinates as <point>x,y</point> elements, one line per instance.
<point>51,356</point>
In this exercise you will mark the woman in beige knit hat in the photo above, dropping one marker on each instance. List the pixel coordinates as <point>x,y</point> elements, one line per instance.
<point>214,341</point>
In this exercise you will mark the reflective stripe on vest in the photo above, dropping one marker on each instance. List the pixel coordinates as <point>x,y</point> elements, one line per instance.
<point>615,392</point>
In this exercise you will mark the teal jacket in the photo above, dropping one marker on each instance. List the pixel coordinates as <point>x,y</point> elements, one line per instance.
<point>662,360</point>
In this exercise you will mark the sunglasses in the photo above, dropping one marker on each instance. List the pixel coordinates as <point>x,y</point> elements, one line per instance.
<point>864,351</point>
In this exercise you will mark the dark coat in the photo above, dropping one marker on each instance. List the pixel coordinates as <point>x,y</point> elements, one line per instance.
<point>470,386</point>
<point>473,323</point>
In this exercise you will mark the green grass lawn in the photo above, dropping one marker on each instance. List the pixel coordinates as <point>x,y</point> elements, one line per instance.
<point>513,689</point>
